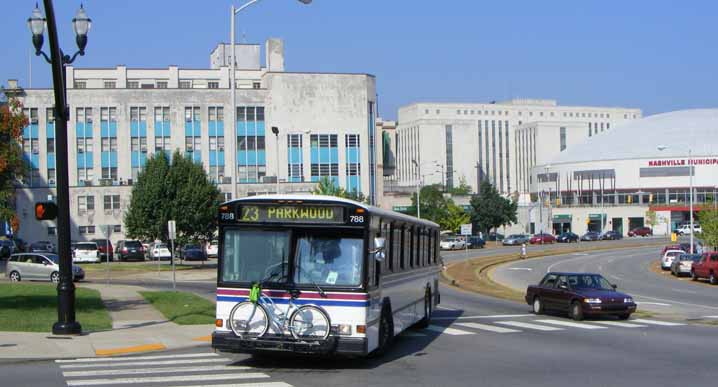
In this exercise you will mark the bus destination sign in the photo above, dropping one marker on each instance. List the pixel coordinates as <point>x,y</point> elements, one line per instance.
<point>280,213</point>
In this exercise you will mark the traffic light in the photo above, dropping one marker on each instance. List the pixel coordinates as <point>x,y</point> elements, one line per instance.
<point>45,211</point>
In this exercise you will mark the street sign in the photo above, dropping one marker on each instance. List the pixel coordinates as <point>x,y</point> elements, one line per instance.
<point>466,229</point>
<point>172,229</point>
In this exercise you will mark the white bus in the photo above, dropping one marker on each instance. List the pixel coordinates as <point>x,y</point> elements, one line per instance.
<point>320,274</point>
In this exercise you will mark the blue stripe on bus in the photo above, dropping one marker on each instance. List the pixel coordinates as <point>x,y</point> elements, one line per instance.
<point>362,304</point>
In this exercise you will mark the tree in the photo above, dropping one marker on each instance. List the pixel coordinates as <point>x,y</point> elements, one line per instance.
<point>12,164</point>
<point>327,187</point>
<point>491,210</point>
<point>179,191</point>
<point>709,225</point>
<point>433,203</point>
<point>462,189</point>
<point>455,216</point>
<point>651,218</point>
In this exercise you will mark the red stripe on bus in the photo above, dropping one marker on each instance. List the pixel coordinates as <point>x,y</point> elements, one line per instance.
<point>304,294</point>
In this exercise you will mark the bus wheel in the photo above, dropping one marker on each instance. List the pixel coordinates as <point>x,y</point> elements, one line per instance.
<point>386,332</point>
<point>424,322</point>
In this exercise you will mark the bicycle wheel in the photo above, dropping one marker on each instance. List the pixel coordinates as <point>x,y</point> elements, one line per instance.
<point>248,320</point>
<point>309,322</point>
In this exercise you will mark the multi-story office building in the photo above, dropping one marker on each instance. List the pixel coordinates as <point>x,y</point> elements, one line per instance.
<point>447,143</point>
<point>121,116</point>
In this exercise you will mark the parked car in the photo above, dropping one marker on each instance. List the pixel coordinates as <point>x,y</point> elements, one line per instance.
<point>668,257</point>
<point>494,236</point>
<point>7,248</point>
<point>130,249</point>
<point>475,242</point>
<point>41,247</point>
<point>590,236</point>
<point>697,247</point>
<point>579,294</point>
<point>611,235</point>
<point>640,231</point>
<point>452,244</point>
<point>683,264</point>
<point>213,249</point>
<point>21,245</point>
<point>516,240</point>
<point>193,252</point>
<point>106,250</point>
<point>706,267</point>
<point>159,251</point>
<point>86,252</point>
<point>542,238</point>
<point>38,266</point>
<point>567,237</point>
<point>686,229</point>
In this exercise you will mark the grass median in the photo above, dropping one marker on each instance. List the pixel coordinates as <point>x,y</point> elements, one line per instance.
<point>182,307</point>
<point>144,266</point>
<point>33,308</point>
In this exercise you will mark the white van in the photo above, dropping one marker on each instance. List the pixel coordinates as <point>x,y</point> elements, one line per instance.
<point>686,229</point>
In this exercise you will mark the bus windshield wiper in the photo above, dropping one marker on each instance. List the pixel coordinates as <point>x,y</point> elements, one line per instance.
<point>321,292</point>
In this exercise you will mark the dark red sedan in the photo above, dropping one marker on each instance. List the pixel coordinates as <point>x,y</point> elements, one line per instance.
<point>579,294</point>
<point>542,238</point>
<point>640,231</point>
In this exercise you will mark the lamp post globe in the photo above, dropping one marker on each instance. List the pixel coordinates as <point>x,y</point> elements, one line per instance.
<point>81,23</point>
<point>36,24</point>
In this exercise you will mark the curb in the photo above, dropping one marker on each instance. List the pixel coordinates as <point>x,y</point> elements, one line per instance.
<point>130,350</point>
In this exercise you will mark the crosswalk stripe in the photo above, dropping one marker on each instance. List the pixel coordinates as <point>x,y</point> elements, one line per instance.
<point>131,358</point>
<point>157,370</point>
<point>166,379</point>
<point>620,324</point>
<point>529,326</point>
<point>268,384</point>
<point>489,328</point>
<point>447,330</point>
<point>655,322</point>
<point>570,324</point>
<point>481,317</point>
<point>141,363</point>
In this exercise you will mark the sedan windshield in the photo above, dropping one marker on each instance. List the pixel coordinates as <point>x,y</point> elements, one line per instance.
<point>329,261</point>
<point>54,258</point>
<point>255,256</point>
<point>589,281</point>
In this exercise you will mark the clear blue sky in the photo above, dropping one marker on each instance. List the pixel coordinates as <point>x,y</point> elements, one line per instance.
<point>657,55</point>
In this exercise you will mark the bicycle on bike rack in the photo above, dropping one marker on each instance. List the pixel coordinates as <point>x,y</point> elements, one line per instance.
<point>252,319</point>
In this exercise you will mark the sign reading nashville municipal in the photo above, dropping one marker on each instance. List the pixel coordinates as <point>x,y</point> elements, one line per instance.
<point>291,214</point>
<point>683,162</point>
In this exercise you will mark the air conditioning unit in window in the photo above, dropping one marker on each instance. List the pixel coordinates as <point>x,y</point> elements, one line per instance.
<point>88,182</point>
<point>51,181</point>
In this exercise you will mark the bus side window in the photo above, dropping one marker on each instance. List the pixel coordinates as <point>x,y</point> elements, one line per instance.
<point>398,241</point>
<point>413,247</point>
<point>390,247</point>
<point>406,236</point>
<point>435,253</point>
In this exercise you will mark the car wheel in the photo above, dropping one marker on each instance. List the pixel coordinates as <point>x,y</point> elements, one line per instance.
<point>713,279</point>
<point>386,332</point>
<point>624,316</point>
<point>538,306</point>
<point>576,311</point>
<point>55,277</point>
<point>15,276</point>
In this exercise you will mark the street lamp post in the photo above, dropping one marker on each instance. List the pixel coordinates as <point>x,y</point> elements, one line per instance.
<point>66,323</point>
<point>233,87</point>
<point>690,188</point>
<point>418,188</point>
<point>275,130</point>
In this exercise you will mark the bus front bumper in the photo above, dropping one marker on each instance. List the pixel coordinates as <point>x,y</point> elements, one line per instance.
<point>228,342</point>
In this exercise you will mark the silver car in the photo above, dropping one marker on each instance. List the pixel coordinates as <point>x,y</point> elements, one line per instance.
<point>683,264</point>
<point>38,266</point>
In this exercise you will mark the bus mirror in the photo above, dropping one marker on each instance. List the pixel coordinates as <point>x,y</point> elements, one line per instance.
<point>379,243</point>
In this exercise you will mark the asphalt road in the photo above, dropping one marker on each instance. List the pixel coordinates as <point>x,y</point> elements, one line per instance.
<point>629,269</point>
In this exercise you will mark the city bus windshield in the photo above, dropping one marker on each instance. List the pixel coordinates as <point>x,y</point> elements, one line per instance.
<point>329,261</point>
<point>255,255</point>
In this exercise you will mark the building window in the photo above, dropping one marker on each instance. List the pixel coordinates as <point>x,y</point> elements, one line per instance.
<point>117,228</point>
<point>111,202</point>
<point>216,143</point>
<point>108,142</point>
<point>193,133</point>
<point>87,230</point>
<point>110,84</point>
<point>185,84</point>
<point>353,163</point>
<point>213,85</point>
<point>80,84</point>
<point>138,139</point>
<point>563,138</point>
<point>449,157</point>
<point>251,149</point>
<point>51,230</point>
<point>133,85</point>
<point>163,130</point>
<point>325,157</point>
<point>256,85</point>
<point>85,145</point>
<point>295,158</point>
<point>161,84</point>
<point>589,129</point>
<point>85,204</point>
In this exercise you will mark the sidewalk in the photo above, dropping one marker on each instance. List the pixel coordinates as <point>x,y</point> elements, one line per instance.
<point>136,327</point>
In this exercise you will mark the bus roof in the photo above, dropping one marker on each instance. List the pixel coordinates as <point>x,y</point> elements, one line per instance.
<point>333,199</point>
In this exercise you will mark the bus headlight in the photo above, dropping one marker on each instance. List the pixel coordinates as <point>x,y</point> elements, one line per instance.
<point>343,329</point>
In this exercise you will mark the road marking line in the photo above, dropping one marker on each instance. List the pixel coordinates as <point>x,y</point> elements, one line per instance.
<point>269,384</point>
<point>131,358</point>
<point>445,308</point>
<point>489,328</point>
<point>620,324</point>
<point>133,349</point>
<point>655,322</point>
<point>529,326</point>
<point>652,303</point>
<point>673,301</point>
<point>166,378</point>
<point>521,268</point>
<point>473,317</point>
<point>570,324</point>
<point>448,331</point>
<point>207,338</point>
<point>141,363</point>
<point>709,317</point>
<point>158,370</point>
